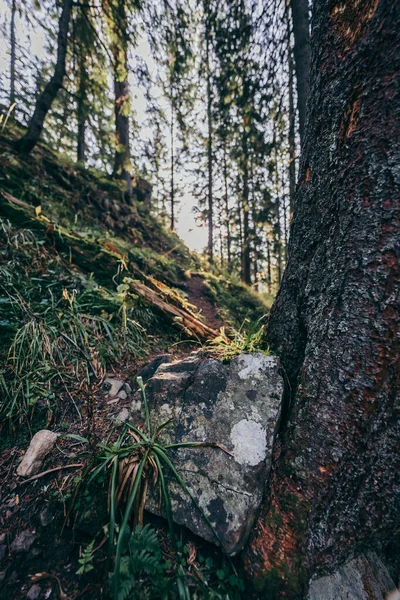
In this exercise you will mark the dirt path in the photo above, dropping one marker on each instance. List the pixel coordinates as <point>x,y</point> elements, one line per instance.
<point>199,295</point>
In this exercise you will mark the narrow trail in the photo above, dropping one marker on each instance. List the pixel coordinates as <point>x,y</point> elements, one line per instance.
<point>199,295</point>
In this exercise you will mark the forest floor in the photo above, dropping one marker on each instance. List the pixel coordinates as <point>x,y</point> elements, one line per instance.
<point>90,288</point>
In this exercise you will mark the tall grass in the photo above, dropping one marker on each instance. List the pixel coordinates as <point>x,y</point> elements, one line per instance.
<point>59,330</point>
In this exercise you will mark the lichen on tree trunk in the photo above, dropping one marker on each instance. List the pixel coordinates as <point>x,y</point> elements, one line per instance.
<point>335,323</point>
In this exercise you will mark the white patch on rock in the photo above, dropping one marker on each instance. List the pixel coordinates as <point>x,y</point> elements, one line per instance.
<point>254,365</point>
<point>249,442</point>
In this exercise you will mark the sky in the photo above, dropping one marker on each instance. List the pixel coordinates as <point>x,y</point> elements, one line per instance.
<point>195,236</point>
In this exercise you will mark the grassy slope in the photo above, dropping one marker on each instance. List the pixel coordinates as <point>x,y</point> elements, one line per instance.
<point>68,316</point>
<point>65,270</point>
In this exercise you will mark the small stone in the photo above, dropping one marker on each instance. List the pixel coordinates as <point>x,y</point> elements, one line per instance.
<point>3,551</point>
<point>46,517</point>
<point>34,592</point>
<point>121,416</point>
<point>41,445</point>
<point>112,386</point>
<point>23,542</point>
<point>150,369</point>
<point>122,395</point>
<point>2,538</point>
<point>128,388</point>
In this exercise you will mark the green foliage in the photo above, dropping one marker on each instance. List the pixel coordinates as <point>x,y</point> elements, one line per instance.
<point>58,330</point>
<point>143,570</point>
<point>134,460</point>
<point>237,301</point>
<point>241,341</point>
<point>86,560</point>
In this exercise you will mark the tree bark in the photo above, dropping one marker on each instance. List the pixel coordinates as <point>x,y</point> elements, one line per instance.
<point>302,57</point>
<point>81,114</point>
<point>210,246</point>
<point>335,323</point>
<point>122,159</point>
<point>12,52</point>
<point>82,104</point>
<point>291,128</point>
<point>46,98</point>
<point>172,181</point>
<point>227,215</point>
<point>246,260</point>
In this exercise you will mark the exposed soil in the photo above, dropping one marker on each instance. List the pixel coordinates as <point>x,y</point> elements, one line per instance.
<point>200,296</point>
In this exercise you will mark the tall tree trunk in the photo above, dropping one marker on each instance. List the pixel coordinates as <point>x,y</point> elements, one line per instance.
<point>278,228</point>
<point>302,57</point>
<point>227,216</point>
<point>122,159</point>
<point>335,323</point>
<point>81,114</point>
<point>210,246</point>
<point>46,98</point>
<point>269,270</point>
<point>246,260</point>
<point>291,129</point>
<point>12,52</point>
<point>172,188</point>
<point>82,108</point>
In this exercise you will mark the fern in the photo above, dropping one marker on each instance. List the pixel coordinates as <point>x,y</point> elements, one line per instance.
<point>86,560</point>
<point>143,571</point>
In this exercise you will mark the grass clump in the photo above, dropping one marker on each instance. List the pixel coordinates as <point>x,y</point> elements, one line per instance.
<point>59,330</point>
<point>135,460</point>
<point>240,341</point>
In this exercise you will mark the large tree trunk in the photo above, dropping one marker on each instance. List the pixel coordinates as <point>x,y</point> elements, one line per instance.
<point>335,323</point>
<point>46,98</point>
<point>302,57</point>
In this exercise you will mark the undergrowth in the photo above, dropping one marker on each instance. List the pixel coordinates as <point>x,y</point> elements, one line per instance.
<point>240,341</point>
<point>59,330</point>
<point>132,461</point>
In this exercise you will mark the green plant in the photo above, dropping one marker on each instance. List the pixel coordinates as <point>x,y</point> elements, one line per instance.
<point>86,560</point>
<point>132,466</point>
<point>58,329</point>
<point>226,348</point>
<point>143,570</point>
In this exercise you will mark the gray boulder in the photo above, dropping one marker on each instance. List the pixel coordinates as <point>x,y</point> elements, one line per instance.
<point>362,578</point>
<point>41,445</point>
<point>237,405</point>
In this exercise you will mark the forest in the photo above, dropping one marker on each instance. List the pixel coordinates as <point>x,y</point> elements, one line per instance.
<point>199,299</point>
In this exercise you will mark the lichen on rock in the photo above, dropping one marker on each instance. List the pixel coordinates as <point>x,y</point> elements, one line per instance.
<point>237,405</point>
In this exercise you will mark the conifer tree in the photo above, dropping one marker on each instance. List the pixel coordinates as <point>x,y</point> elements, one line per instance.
<point>46,98</point>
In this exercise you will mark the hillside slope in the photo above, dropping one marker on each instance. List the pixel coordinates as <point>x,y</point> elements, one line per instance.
<point>90,288</point>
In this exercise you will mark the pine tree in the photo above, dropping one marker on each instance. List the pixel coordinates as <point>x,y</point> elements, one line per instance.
<point>46,98</point>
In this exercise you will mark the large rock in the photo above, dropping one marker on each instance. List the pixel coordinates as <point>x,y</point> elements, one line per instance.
<point>237,405</point>
<point>41,445</point>
<point>363,578</point>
